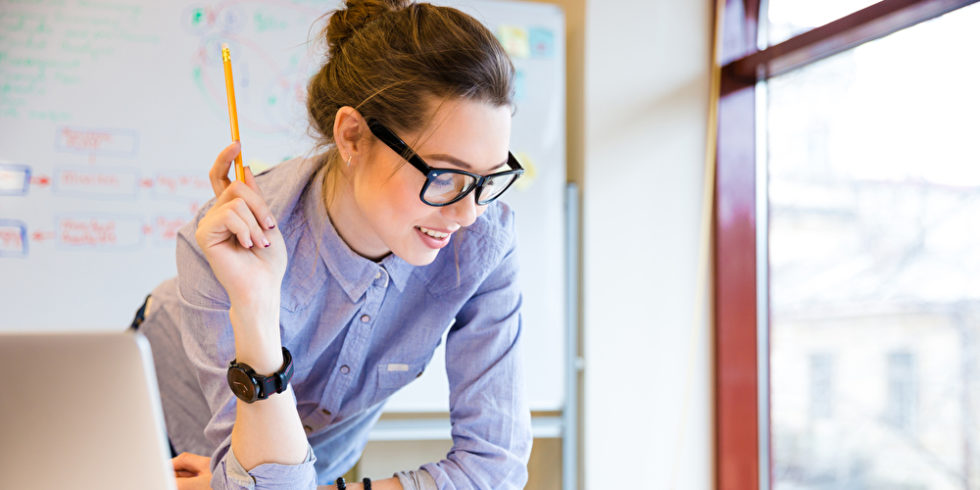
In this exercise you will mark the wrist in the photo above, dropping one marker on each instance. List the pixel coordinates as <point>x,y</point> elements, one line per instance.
<point>257,339</point>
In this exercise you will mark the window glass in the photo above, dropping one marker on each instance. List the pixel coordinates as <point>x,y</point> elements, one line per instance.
<point>788,18</point>
<point>874,254</point>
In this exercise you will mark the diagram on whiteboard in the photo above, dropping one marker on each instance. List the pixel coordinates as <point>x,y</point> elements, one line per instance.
<point>111,115</point>
<point>95,161</point>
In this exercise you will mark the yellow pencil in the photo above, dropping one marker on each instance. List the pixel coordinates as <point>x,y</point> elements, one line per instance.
<point>232,111</point>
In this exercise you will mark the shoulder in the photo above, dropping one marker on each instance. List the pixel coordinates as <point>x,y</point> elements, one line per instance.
<point>493,233</point>
<point>282,186</point>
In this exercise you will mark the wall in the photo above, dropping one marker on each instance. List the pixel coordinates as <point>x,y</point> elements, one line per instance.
<point>647,380</point>
<point>637,90</point>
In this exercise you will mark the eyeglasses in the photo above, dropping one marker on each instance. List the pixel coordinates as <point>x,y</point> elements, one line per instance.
<point>444,186</point>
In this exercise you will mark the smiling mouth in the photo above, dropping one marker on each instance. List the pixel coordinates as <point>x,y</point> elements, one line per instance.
<point>438,235</point>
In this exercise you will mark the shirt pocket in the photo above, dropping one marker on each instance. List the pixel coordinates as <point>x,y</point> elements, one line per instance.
<point>393,375</point>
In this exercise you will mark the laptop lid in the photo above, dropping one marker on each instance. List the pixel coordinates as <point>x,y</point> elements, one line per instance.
<point>81,410</point>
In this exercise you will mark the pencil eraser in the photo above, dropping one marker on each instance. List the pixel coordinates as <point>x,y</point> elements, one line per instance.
<point>224,45</point>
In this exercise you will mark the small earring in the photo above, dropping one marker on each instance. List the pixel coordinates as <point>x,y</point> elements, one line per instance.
<point>349,156</point>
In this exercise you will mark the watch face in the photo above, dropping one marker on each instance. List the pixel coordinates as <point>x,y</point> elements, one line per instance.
<point>241,384</point>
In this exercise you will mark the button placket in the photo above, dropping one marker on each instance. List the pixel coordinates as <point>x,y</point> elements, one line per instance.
<point>381,278</point>
<point>355,346</point>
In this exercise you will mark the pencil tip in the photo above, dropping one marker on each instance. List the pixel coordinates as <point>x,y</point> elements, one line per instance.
<point>224,46</point>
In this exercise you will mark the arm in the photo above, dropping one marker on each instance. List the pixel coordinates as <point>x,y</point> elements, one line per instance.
<point>230,278</point>
<point>491,420</point>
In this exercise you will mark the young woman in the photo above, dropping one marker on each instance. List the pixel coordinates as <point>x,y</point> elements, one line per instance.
<point>309,294</point>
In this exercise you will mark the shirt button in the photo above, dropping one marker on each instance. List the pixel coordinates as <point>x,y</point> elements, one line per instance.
<point>345,369</point>
<point>308,429</point>
<point>365,318</point>
<point>326,412</point>
<point>377,275</point>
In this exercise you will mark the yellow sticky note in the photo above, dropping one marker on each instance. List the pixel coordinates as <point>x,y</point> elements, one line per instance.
<point>258,165</point>
<point>530,171</point>
<point>515,41</point>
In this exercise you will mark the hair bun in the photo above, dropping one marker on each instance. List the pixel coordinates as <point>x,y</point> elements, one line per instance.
<point>356,14</point>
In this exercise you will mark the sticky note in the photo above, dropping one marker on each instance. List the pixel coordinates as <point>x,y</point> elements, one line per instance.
<point>514,40</point>
<point>530,171</point>
<point>520,85</point>
<point>541,42</point>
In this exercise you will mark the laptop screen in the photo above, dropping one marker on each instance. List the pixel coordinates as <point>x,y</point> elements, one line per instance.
<point>81,410</point>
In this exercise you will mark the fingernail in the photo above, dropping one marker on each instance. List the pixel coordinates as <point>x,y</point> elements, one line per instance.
<point>270,223</point>
<point>266,243</point>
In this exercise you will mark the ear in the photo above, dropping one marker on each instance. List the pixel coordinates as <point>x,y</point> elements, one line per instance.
<point>349,132</point>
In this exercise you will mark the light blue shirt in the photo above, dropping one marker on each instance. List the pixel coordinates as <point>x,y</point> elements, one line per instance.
<point>358,330</point>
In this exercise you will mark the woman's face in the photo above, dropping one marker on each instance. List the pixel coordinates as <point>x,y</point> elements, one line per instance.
<point>464,135</point>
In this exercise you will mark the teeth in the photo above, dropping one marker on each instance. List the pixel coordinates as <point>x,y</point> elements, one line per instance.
<point>434,234</point>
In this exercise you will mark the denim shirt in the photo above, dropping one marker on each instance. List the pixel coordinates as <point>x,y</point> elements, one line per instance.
<point>358,330</point>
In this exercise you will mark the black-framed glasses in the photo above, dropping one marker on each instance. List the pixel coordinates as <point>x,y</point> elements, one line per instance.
<point>444,186</point>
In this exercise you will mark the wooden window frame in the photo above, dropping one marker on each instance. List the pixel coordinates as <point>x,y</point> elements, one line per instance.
<point>742,443</point>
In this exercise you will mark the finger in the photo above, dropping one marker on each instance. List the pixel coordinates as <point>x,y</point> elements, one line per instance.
<point>238,226</point>
<point>244,213</point>
<point>190,462</point>
<point>256,234</point>
<point>219,225</point>
<point>181,464</point>
<point>250,180</point>
<point>219,170</point>
<point>267,221</point>
<point>254,200</point>
<point>200,482</point>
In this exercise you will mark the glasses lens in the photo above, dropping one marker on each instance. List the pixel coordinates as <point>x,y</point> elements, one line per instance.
<point>446,186</point>
<point>493,187</point>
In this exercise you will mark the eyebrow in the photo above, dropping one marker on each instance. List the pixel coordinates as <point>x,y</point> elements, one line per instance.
<point>455,161</point>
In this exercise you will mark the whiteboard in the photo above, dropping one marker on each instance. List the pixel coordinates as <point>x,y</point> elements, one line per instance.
<point>111,113</point>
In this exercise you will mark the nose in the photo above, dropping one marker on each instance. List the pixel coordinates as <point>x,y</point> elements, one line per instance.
<point>464,211</point>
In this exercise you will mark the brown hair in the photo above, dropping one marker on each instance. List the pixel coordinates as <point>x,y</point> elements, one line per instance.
<point>389,58</point>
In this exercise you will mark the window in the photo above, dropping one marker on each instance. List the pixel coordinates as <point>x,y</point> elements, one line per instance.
<point>858,239</point>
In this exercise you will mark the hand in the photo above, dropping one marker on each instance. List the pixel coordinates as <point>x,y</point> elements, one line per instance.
<point>239,237</point>
<point>193,472</point>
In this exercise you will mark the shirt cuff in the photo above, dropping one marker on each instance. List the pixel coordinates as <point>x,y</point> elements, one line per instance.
<point>272,475</point>
<point>416,480</point>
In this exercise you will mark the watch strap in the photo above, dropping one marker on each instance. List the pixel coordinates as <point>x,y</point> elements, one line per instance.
<point>265,386</point>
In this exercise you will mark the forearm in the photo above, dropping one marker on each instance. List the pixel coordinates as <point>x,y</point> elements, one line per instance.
<point>270,430</point>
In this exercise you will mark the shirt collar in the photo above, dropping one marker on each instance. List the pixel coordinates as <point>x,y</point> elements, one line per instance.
<point>354,273</point>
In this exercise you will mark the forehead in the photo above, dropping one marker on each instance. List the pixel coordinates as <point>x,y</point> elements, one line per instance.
<point>474,132</point>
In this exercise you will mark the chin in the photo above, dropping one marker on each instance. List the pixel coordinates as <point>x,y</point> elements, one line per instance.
<point>417,256</point>
<point>419,259</point>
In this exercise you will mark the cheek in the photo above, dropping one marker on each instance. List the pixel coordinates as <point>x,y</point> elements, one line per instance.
<point>401,197</point>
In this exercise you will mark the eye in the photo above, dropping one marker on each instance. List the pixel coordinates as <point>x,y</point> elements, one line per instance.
<point>443,181</point>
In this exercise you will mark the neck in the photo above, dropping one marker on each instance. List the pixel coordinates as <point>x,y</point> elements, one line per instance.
<point>346,216</point>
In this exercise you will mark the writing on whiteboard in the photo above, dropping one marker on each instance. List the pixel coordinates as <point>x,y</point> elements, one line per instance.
<point>93,141</point>
<point>14,179</point>
<point>182,186</point>
<point>13,239</point>
<point>95,181</point>
<point>99,232</point>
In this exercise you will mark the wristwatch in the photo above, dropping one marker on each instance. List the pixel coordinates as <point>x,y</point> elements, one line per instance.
<point>250,387</point>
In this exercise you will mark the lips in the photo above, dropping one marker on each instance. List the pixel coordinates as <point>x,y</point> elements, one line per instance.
<point>433,238</point>
<point>437,234</point>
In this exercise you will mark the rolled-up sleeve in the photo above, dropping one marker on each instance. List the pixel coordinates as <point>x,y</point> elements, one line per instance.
<point>208,341</point>
<point>231,474</point>
<point>491,423</point>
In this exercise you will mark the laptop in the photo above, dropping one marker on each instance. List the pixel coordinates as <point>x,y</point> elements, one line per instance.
<point>81,410</point>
